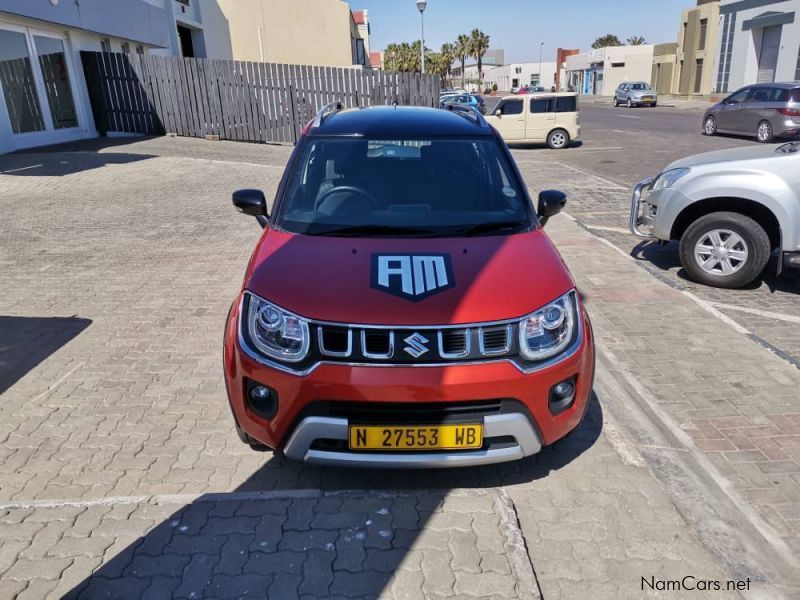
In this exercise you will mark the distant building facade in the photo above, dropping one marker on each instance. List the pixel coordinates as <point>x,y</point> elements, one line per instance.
<point>664,61</point>
<point>697,49</point>
<point>561,57</point>
<point>599,71</point>
<point>303,32</point>
<point>759,42</point>
<point>515,75</point>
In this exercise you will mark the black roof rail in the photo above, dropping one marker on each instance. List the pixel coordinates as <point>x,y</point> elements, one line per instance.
<point>468,112</point>
<point>325,111</point>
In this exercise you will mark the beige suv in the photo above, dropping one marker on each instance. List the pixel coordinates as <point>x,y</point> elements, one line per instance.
<point>551,119</point>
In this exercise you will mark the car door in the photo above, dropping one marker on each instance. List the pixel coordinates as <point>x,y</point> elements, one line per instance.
<point>753,110</point>
<point>618,93</point>
<point>540,119</point>
<point>727,115</point>
<point>509,119</point>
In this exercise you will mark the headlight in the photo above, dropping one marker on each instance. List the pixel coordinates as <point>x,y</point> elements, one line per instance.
<point>668,178</point>
<point>550,330</point>
<point>275,332</point>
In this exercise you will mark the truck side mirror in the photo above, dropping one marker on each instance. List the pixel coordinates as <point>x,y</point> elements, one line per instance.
<point>551,202</point>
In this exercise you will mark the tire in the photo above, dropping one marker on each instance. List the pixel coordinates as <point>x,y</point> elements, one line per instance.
<point>733,248</point>
<point>616,102</point>
<point>558,139</point>
<point>710,125</point>
<point>630,103</point>
<point>654,104</point>
<point>251,441</point>
<point>764,133</point>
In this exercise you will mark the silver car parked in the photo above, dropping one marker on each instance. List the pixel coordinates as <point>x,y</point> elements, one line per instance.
<point>766,111</point>
<point>635,93</point>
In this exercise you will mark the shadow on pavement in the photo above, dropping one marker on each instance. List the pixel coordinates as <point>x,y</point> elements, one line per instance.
<point>27,341</point>
<point>53,164</point>
<point>311,544</point>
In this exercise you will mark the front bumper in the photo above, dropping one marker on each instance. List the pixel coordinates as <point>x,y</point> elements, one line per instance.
<point>641,216</point>
<point>320,438</point>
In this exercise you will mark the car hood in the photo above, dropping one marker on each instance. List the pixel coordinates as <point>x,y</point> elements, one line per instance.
<point>489,278</point>
<point>721,156</point>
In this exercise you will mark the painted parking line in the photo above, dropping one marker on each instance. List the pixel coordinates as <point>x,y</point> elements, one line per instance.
<point>629,117</point>
<point>757,312</point>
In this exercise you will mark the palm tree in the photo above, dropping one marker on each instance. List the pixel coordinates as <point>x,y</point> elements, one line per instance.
<point>637,40</point>
<point>479,44</point>
<point>608,39</point>
<point>391,56</point>
<point>462,50</point>
<point>448,53</point>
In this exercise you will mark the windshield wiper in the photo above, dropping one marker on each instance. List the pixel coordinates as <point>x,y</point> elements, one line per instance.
<point>488,227</point>
<point>372,230</point>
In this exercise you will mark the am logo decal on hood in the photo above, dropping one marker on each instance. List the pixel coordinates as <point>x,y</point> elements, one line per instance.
<point>412,276</point>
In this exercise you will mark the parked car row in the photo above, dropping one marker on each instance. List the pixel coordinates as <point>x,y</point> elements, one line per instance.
<point>472,100</point>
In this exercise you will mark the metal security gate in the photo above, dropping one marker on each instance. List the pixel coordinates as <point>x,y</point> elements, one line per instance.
<point>768,56</point>
<point>234,100</point>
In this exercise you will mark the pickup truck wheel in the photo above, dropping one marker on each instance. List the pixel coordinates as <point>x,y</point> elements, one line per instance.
<point>724,249</point>
<point>558,139</point>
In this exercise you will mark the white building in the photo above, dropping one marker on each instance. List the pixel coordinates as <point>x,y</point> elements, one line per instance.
<point>759,42</point>
<point>516,75</point>
<point>599,72</point>
<point>43,96</point>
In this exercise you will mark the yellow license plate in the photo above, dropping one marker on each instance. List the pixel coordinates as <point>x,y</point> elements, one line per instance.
<point>422,437</point>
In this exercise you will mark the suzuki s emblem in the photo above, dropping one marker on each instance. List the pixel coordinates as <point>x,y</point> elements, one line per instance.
<point>416,345</point>
<point>412,276</point>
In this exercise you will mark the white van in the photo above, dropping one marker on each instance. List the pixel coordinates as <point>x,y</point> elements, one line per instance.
<point>546,118</point>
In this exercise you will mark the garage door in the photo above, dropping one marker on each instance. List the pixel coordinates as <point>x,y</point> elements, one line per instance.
<point>768,57</point>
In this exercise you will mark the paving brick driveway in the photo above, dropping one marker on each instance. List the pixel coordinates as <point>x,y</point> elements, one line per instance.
<point>120,473</point>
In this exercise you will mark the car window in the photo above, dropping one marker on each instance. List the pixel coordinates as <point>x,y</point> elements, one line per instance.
<point>640,86</point>
<point>431,186</point>
<point>779,95</point>
<point>737,97</point>
<point>540,105</point>
<point>566,104</point>
<point>794,95</point>
<point>758,95</point>
<point>510,107</point>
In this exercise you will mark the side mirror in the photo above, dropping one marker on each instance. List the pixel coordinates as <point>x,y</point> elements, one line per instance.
<point>551,202</point>
<point>252,203</point>
<point>498,113</point>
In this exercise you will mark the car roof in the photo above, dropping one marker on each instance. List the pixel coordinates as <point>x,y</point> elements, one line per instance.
<point>402,121</point>
<point>786,85</point>
<point>542,95</point>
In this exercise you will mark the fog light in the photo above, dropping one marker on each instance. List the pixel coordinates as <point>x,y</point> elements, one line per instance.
<point>262,400</point>
<point>565,389</point>
<point>562,396</point>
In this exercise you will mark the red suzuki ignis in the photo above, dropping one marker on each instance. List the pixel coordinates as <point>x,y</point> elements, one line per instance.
<point>404,307</point>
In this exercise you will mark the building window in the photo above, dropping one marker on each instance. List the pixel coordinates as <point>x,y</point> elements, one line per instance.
<point>703,34</point>
<point>797,70</point>
<point>360,58</point>
<point>126,47</point>
<point>618,65</point>
<point>139,49</point>
<point>698,76</point>
<point>105,45</point>
<point>725,51</point>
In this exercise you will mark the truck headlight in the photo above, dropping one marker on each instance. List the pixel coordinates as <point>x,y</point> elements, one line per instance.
<point>668,178</point>
<point>275,332</point>
<point>550,330</point>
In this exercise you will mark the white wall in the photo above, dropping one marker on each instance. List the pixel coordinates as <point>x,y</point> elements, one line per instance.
<point>747,44</point>
<point>505,75</point>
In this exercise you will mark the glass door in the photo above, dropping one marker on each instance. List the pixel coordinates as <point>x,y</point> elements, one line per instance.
<point>18,84</point>
<point>35,86</point>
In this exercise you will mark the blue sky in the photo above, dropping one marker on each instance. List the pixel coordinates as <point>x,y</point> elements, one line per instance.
<point>519,26</point>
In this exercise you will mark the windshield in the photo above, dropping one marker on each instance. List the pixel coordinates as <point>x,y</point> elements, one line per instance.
<point>406,187</point>
<point>640,86</point>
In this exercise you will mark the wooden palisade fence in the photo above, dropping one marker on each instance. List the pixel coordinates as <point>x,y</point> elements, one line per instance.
<point>241,101</point>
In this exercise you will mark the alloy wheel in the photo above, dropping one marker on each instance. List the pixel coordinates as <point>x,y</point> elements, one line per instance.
<point>558,139</point>
<point>710,126</point>
<point>721,252</point>
<point>764,132</point>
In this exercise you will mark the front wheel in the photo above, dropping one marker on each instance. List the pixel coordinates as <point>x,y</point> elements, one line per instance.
<point>764,132</point>
<point>630,103</point>
<point>725,250</point>
<point>616,102</point>
<point>558,139</point>
<point>710,125</point>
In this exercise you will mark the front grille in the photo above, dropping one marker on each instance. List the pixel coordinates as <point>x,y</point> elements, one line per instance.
<point>377,345</point>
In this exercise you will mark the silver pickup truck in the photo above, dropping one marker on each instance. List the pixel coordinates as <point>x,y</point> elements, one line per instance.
<point>729,210</point>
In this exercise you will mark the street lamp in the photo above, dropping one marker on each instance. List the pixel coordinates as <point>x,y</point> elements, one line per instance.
<point>541,45</point>
<point>421,4</point>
